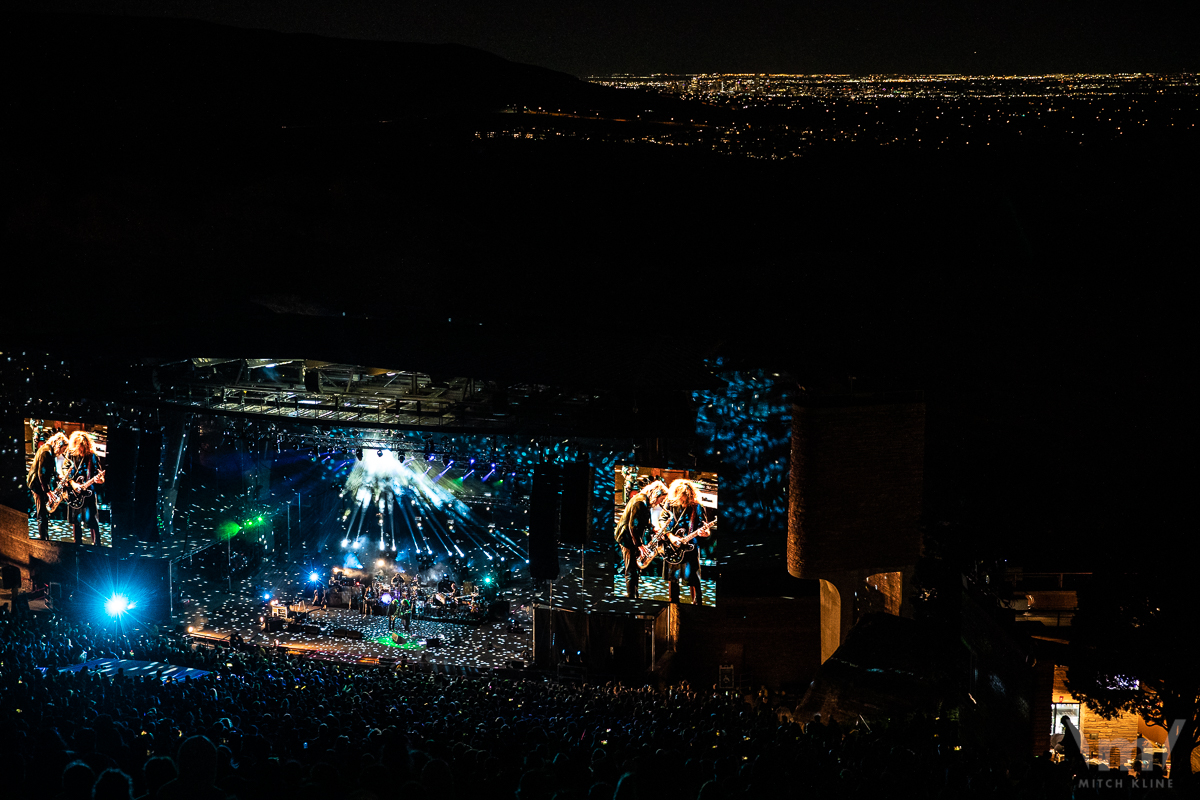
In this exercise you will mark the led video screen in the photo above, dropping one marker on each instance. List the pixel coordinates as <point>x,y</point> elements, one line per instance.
<point>665,535</point>
<point>65,465</point>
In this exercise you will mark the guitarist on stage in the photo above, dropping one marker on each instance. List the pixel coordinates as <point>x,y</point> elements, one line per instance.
<point>83,474</point>
<point>43,479</point>
<point>685,514</point>
<point>635,528</point>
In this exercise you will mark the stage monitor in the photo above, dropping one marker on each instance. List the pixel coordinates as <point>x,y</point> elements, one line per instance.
<point>665,535</point>
<point>65,472</point>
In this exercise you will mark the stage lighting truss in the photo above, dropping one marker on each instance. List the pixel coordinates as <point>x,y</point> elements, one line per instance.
<point>276,387</point>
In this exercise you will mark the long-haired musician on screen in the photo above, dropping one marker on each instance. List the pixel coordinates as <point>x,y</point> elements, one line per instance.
<point>635,528</point>
<point>43,479</point>
<point>684,515</point>
<point>83,473</point>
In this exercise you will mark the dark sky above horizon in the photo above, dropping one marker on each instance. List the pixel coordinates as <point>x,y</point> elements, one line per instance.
<point>781,36</point>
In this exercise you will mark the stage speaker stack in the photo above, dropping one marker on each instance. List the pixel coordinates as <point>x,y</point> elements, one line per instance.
<point>273,625</point>
<point>434,642</point>
<point>575,517</point>
<point>543,522</point>
<point>346,633</point>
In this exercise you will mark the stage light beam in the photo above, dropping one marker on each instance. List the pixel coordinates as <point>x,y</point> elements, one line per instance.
<point>117,605</point>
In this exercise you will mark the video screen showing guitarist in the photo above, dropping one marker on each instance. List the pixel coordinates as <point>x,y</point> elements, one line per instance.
<point>83,474</point>
<point>685,522</point>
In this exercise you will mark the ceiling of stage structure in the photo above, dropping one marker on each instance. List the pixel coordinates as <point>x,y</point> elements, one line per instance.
<point>315,392</point>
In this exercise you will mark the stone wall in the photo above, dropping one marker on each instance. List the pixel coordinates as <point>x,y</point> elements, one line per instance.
<point>1114,740</point>
<point>856,483</point>
<point>770,641</point>
<point>17,549</point>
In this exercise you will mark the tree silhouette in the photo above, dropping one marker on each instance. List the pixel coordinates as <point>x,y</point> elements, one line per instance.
<point>1129,648</point>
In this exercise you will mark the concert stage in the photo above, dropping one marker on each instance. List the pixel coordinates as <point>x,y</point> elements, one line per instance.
<point>342,634</point>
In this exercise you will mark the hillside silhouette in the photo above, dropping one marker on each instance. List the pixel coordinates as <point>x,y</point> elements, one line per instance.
<point>154,74</point>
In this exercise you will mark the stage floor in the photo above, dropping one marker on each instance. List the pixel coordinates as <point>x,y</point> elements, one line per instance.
<point>465,647</point>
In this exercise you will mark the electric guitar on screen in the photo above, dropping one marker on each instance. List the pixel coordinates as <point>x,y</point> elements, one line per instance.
<point>660,545</point>
<point>78,496</point>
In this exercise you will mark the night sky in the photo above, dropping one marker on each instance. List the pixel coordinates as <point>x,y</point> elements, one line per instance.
<point>781,36</point>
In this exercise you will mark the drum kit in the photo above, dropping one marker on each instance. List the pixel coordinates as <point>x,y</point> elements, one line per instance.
<point>431,602</point>
<point>442,604</point>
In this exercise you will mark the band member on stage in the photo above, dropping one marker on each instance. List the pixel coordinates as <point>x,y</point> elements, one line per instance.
<point>368,596</point>
<point>85,467</point>
<point>635,528</point>
<point>406,613</point>
<point>393,611</point>
<point>43,479</point>
<point>685,514</point>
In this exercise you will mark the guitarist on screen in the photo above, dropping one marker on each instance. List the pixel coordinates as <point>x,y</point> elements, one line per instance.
<point>83,473</point>
<point>685,515</point>
<point>43,481</point>
<point>636,528</point>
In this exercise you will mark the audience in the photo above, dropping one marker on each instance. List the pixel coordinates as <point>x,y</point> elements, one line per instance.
<point>266,726</point>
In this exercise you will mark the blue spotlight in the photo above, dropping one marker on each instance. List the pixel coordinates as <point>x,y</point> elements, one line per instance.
<point>314,577</point>
<point>447,469</point>
<point>117,605</point>
<point>267,596</point>
<point>385,598</point>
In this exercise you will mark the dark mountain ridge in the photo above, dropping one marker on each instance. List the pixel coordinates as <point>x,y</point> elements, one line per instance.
<point>144,73</point>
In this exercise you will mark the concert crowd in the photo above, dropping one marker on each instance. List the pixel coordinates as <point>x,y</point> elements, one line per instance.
<point>268,726</point>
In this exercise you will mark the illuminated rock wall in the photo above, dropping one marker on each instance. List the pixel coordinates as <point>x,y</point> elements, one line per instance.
<point>855,487</point>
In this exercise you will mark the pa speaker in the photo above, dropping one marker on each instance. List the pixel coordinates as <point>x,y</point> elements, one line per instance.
<point>312,381</point>
<point>575,514</point>
<point>543,522</point>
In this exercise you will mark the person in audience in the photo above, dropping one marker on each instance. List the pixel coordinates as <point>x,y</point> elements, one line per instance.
<point>113,784</point>
<point>156,772</point>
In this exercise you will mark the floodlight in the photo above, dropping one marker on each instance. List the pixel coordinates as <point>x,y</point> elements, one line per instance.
<point>312,576</point>
<point>117,605</point>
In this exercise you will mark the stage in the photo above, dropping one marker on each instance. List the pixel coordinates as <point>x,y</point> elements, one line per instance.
<point>332,633</point>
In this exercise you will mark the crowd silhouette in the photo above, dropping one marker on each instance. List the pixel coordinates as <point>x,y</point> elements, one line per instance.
<point>263,725</point>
